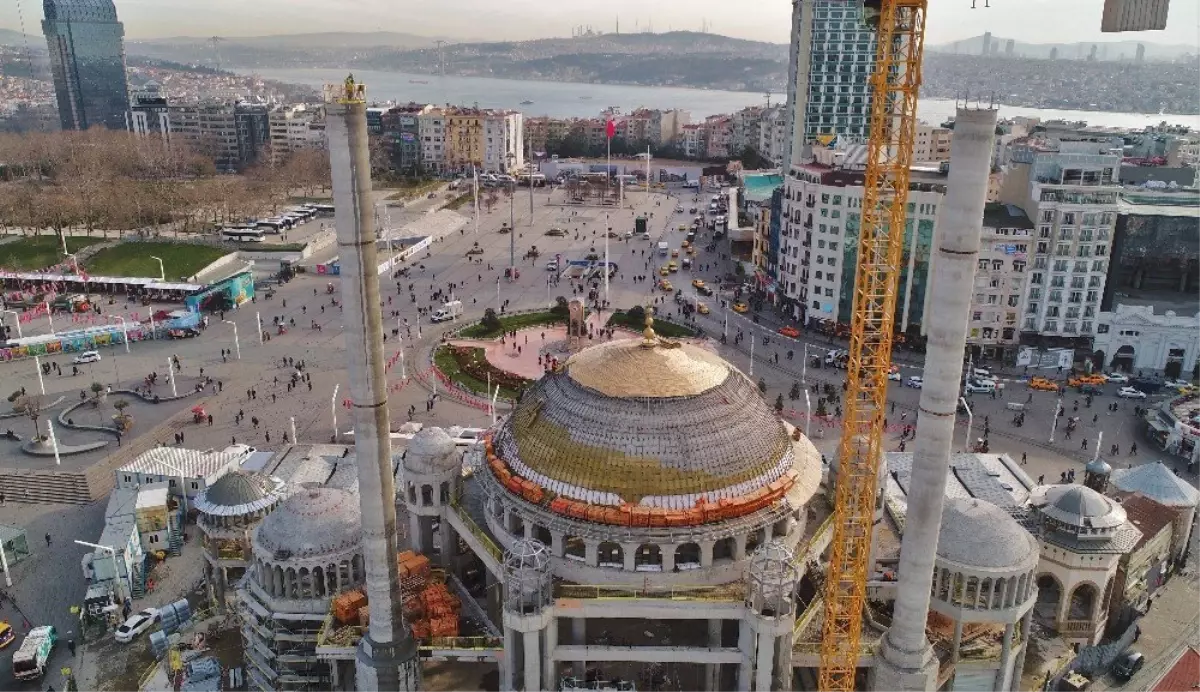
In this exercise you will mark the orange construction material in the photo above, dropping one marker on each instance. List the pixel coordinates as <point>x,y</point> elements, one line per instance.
<point>346,606</point>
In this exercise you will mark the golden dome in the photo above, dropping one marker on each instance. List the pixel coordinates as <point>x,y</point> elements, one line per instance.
<point>629,369</point>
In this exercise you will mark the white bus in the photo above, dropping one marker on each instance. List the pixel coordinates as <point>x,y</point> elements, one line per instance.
<point>243,235</point>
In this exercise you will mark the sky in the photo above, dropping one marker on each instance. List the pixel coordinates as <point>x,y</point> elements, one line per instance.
<point>1033,21</point>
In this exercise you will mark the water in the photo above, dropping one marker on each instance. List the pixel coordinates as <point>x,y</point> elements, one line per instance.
<point>570,100</point>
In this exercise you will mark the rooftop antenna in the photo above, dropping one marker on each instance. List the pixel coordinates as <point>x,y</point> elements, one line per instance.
<point>442,70</point>
<point>215,43</point>
<point>25,37</point>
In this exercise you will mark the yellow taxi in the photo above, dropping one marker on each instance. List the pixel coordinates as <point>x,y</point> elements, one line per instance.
<point>666,286</point>
<point>691,250</point>
<point>740,307</point>
<point>685,245</point>
<point>673,266</point>
<point>1043,384</point>
<point>675,252</point>
<point>702,308</point>
<point>7,635</point>
<point>683,226</point>
<point>698,283</point>
<point>664,271</point>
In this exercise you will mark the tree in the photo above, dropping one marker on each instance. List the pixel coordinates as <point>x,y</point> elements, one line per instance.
<point>779,404</point>
<point>821,410</point>
<point>490,200</point>
<point>794,392</point>
<point>31,406</point>
<point>636,314</point>
<point>740,270</point>
<point>752,160</point>
<point>122,420</point>
<point>97,389</point>
<point>561,307</point>
<point>490,321</point>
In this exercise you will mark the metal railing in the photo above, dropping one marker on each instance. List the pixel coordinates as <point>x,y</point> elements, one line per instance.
<point>727,593</point>
<point>477,531</point>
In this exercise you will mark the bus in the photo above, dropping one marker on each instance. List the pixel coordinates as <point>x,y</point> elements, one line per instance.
<point>273,225</point>
<point>243,235</point>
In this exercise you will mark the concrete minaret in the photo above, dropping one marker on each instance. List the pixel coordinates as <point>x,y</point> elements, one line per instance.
<point>908,659</point>
<point>387,655</point>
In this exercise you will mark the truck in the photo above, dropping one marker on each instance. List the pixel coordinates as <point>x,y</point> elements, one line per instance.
<point>639,225</point>
<point>662,248</point>
<point>448,311</point>
<point>29,663</point>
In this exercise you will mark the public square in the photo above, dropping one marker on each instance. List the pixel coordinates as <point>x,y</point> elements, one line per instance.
<point>249,374</point>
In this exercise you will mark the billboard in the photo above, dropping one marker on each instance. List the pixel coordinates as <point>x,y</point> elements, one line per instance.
<point>1049,359</point>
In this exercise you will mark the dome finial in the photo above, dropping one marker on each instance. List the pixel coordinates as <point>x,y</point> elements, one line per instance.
<point>649,338</point>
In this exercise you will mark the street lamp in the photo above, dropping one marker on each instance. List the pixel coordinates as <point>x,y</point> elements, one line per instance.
<point>162,272</point>
<point>171,373</point>
<point>1054,425</point>
<point>116,572</point>
<point>18,322</point>
<point>258,320</point>
<point>124,331</point>
<point>50,316</point>
<point>808,410</point>
<point>970,420</point>
<point>37,361</point>
<point>237,345</point>
<point>333,410</point>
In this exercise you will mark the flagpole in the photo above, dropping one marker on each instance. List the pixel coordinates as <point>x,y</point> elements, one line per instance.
<point>475,185</point>
<point>608,159</point>
<point>647,169</point>
<point>607,233</point>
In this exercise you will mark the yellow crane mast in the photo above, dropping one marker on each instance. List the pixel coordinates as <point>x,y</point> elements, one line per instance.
<point>894,84</point>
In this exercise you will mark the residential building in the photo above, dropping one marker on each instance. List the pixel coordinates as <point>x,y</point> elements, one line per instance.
<point>746,129</point>
<point>1068,188</point>
<point>1146,568</point>
<point>86,44</point>
<point>832,56</point>
<point>1155,258</point>
<point>774,135</point>
<point>1163,485</point>
<point>431,128</point>
<point>541,130</point>
<point>492,140</point>
<point>693,141</point>
<point>719,133</point>
<point>1000,282</point>
<point>233,134</point>
<point>504,145</point>
<point>252,123</point>
<point>819,247</point>
<point>932,144</point>
<point>669,125</point>
<point>400,132</point>
<point>149,112</point>
<point>294,128</point>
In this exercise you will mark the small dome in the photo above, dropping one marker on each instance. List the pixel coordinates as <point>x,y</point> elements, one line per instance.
<point>976,533</point>
<point>631,369</point>
<point>431,451</point>
<point>1080,506</point>
<point>1098,467</point>
<point>240,492</point>
<point>313,522</point>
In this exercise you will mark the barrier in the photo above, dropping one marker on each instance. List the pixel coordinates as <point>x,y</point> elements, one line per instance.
<point>478,533</point>
<point>734,592</point>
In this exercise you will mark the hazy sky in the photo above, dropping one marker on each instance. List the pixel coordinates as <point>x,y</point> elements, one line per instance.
<point>1035,21</point>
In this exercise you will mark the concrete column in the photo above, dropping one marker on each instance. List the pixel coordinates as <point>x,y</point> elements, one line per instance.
<point>905,646</point>
<point>766,662</point>
<point>414,531</point>
<point>449,544</point>
<point>549,665</point>
<point>739,547</point>
<point>629,553</point>
<point>668,558</point>
<point>508,664</point>
<point>768,533</point>
<point>783,660</point>
<point>579,638</point>
<point>426,535</point>
<point>958,630</point>
<point>746,639</point>
<point>1019,666</point>
<point>591,549</point>
<point>533,662</point>
<point>706,553</point>
<point>1002,676</point>
<point>1006,593</point>
<point>558,543</point>
<point>712,671</point>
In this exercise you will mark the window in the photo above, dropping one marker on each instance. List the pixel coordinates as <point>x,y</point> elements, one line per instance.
<point>1014,300</point>
<point>1081,267</point>
<point>1048,216</point>
<point>1044,232</point>
<point>195,485</point>
<point>1031,309</point>
<point>1093,296</point>
<point>154,538</point>
<point>1065,234</point>
<point>1055,295</point>
<point>1077,282</point>
<point>992,298</point>
<point>1056,282</point>
<point>1035,278</point>
<point>1102,329</point>
<point>1060,265</point>
<point>829,293</point>
<point>1098,265</point>
<point>976,315</point>
<point>1084,251</point>
<point>832,261</point>
<point>1069,218</point>
<point>837,200</point>
<point>1035,294</point>
<point>1052,311</point>
<point>1086,327</point>
<point>1018,265</point>
<point>1062,250</point>
<point>1101,250</point>
<point>1085,236</point>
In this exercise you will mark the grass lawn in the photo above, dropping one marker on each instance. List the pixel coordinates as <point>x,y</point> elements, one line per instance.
<point>450,366</point>
<point>134,259</point>
<point>661,327</point>
<point>410,189</point>
<point>459,202</point>
<point>514,322</point>
<point>40,251</point>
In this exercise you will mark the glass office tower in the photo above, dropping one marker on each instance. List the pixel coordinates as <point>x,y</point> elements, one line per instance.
<point>87,60</point>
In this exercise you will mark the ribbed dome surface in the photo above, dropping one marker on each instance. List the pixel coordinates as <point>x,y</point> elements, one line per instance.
<point>240,492</point>
<point>431,450</point>
<point>313,522</point>
<point>976,533</point>
<point>629,421</point>
<point>1078,505</point>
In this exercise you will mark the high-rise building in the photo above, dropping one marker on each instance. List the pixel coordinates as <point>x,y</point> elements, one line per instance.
<point>1008,47</point>
<point>1141,53</point>
<point>832,55</point>
<point>1000,282</point>
<point>148,112</point>
<point>87,61</point>
<point>987,43</point>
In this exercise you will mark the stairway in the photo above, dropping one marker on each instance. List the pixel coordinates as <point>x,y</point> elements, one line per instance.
<point>139,578</point>
<point>175,539</point>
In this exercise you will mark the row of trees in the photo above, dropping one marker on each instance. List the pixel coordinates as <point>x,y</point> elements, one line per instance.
<point>70,182</point>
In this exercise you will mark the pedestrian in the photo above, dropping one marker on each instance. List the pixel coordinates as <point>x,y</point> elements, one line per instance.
<point>210,420</point>
<point>1024,458</point>
<point>1041,479</point>
<point>47,540</point>
<point>268,433</point>
<point>1133,449</point>
<point>1,499</point>
<point>71,645</point>
<point>1084,443</point>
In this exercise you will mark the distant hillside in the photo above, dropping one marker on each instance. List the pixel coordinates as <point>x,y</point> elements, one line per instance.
<point>1106,50</point>
<point>8,37</point>
<point>330,39</point>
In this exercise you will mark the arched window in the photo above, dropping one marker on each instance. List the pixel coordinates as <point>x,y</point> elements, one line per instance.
<point>648,558</point>
<point>1049,597</point>
<point>687,556</point>
<point>724,549</point>
<point>1083,602</point>
<point>574,549</point>
<point>610,555</point>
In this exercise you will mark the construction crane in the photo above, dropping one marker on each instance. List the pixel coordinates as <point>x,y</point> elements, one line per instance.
<point>900,29</point>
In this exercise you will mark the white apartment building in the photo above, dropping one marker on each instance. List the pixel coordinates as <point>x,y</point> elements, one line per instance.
<point>294,128</point>
<point>819,245</point>
<point>504,137</point>
<point>773,135</point>
<point>693,141</point>
<point>932,144</point>
<point>431,128</point>
<point>1069,189</point>
<point>1000,282</point>
<point>747,125</point>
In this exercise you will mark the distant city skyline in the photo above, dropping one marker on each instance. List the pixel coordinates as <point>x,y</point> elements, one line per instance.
<point>1056,21</point>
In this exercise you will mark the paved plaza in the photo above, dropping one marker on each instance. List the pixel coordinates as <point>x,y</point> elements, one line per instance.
<point>258,383</point>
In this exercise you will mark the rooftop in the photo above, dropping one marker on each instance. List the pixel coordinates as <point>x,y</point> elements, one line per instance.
<point>976,533</point>
<point>1183,675</point>
<point>1149,516</point>
<point>240,492</point>
<point>1158,483</point>
<point>997,215</point>
<point>169,462</point>
<point>313,522</point>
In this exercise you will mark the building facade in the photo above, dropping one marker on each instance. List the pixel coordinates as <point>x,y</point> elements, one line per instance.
<point>1000,282</point>
<point>1155,258</point>
<point>491,140</point>
<point>932,144</point>
<point>1134,338</point>
<point>149,112</point>
<point>86,43</point>
<point>431,128</point>
<point>400,132</point>
<point>1069,189</point>
<point>294,128</point>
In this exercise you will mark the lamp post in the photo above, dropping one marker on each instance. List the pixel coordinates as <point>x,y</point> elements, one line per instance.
<point>50,317</point>
<point>970,420</point>
<point>752,339</point>
<point>258,320</point>
<point>171,374</point>
<point>162,271</point>
<point>53,441</point>
<point>17,315</point>
<point>237,344</point>
<point>1054,424</point>
<point>116,572</point>
<point>124,331</point>
<point>37,361</point>
<point>1099,438</point>
<point>333,410</point>
<point>808,410</point>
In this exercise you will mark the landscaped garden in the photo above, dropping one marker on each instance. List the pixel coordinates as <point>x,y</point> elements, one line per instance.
<point>470,368</point>
<point>40,251</point>
<point>492,325</point>
<point>136,259</point>
<point>635,319</point>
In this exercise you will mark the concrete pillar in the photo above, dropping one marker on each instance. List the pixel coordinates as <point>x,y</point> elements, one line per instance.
<point>426,534</point>
<point>668,558</point>
<point>591,549</point>
<point>508,664</point>
<point>629,553</point>
<point>739,547</point>
<point>746,639</point>
<point>579,638</point>
<point>765,664</point>
<point>449,544</point>
<point>712,671</point>
<point>1019,666</point>
<point>558,543</point>
<point>549,665</point>
<point>783,660</point>
<point>1003,675</point>
<point>906,651</point>
<point>414,532</point>
<point>957,641</point>
<point>533,662</point>
<point>706,552</point>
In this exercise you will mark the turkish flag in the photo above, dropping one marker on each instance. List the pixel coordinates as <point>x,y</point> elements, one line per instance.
<point>610,128</point>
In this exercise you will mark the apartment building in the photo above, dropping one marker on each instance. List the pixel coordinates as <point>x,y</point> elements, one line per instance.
<point>543,129</point>
<point>669,125</point>
<point>148,112</point>
<point>747,128</point>
<point>294,128</point>
<point>400,129</point>
<point>932,144</point>
<point>719,134</point>
<point>993,330</point>
<point>504,141</point>
<point>1068,188</point>
<point>818,251</point>
<point>774,135</point>
<point>232,134</point>
<point>693,141</point>
<point>431,129</point>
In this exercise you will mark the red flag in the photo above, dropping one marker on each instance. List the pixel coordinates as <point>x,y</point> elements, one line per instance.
<point>610,128</point>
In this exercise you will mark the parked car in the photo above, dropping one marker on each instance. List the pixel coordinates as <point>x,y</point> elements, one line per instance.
<point>1091,389</point>
<point>916,382</point>
<point>740,307</point>
<point>1131,393</point>
<point>86,357</point>
<point>979,387</point>
<point>135,625</point>
<point>7,635</point>
<point>1128,665</point>
<point>1118,378</point>
<point>790,332</point>
<point>894,374</point>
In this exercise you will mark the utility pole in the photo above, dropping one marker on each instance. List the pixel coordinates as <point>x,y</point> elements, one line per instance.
<point>529,167</point>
